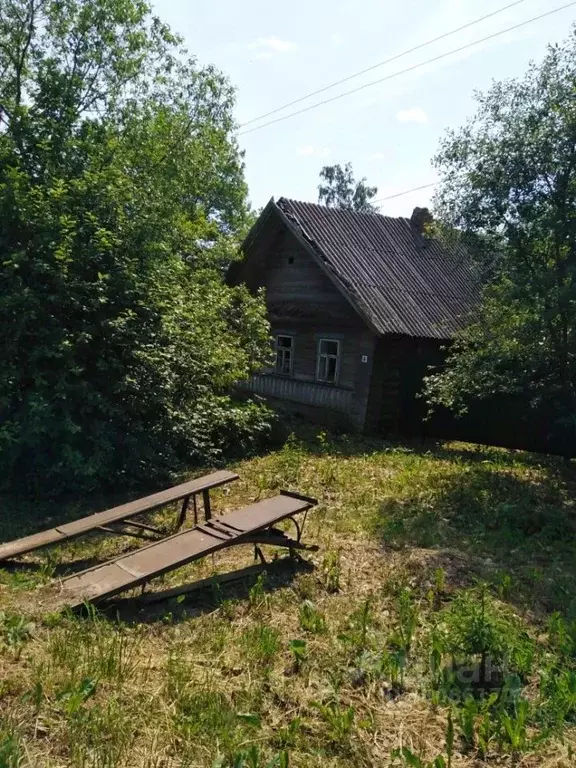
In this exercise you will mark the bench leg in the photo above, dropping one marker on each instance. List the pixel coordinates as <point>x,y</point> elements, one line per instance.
<point>299,528</point>
<point>182,516</point>
<point>259,555</point>
<point>195,500</point>
<point>207,507</point>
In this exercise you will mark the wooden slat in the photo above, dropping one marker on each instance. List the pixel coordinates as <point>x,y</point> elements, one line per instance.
<point>116,514</point>
<point>135,568</point>
<point>36,541</point>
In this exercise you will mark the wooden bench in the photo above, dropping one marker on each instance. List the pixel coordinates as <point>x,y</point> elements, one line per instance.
<point>101,521</point>
<point>250,525</point>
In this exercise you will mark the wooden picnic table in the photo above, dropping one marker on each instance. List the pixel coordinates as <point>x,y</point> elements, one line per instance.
<point>250,525</point>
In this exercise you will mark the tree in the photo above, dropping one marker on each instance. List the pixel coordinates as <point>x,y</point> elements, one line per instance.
<point>509,180</point>
<point>340,190</point>
<point>122,199</point>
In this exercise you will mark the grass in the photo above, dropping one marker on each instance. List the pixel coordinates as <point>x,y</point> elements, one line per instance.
<point>437,628</point>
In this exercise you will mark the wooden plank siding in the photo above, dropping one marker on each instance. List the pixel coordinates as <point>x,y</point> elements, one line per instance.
<point>304,303</point>
<point>318,395</point>
<point>297,288</point>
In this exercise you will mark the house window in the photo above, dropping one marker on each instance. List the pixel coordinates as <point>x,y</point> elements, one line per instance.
<point>284,355</point>
<point>328,361</point>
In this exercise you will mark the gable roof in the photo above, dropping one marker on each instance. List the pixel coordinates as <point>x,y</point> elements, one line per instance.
<point>398,281</point>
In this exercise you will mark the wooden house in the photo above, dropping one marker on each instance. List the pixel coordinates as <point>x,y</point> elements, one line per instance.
<point>359,305</point>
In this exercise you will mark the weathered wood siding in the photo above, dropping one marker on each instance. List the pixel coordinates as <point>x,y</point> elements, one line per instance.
<point>383,412</point>
<point>318,395</point>
<point>303,302</point>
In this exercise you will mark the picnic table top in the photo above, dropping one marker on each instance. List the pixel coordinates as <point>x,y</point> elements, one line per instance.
<point>134,568</point>
<point>116,514</point>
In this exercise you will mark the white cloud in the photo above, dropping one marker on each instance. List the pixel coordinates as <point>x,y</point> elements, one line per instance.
<point>263,55</point>
<point>335,39</point>
<point>412,115</point>
<point>274,44</point>
<point>309,151</point>
<point>378,156</point>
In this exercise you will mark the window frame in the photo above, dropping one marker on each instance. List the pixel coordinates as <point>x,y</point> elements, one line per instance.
<point>320,355</point>
<point>290,336</point>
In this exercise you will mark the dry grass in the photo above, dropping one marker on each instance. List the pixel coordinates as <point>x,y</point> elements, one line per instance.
<point>405,533</point>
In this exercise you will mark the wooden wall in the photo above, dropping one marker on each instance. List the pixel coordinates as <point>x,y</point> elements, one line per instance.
<point>304,302</point>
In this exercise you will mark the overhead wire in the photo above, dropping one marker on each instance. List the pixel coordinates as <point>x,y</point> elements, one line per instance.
<point>405,192</point>
<point>381,63</point>
<point>409,69</point>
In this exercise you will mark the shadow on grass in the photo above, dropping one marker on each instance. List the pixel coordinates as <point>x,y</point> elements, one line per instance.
<point>58,569</point>
<point>519,531</point>
<point>23,516</point>
<point>318,441</point>
<point>279,573</point>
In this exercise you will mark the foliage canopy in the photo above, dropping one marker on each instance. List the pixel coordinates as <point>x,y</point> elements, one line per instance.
<point>122,198</point>
<point>509,182</point>
<point>339,189</point>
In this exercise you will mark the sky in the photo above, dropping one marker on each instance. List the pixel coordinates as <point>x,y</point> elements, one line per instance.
<point>275,52</point>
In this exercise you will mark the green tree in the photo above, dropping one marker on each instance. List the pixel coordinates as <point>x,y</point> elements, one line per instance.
<point>122,198</point>
<point>509,183</point>
<point>339,189</point>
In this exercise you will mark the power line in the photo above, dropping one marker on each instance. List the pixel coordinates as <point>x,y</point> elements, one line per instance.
<point>380,64</point>
<point>408,69</point>
<point>406,192</point>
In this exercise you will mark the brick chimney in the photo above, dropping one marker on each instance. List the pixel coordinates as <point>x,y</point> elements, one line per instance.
<point>420,219</point>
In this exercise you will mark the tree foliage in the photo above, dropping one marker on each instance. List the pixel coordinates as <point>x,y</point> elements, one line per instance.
<point>509,181</point>
<point>122,198</point>
<point>339,189</point>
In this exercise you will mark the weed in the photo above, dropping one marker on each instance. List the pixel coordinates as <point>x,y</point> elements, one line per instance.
<point>331,571</point>
<point>257,595</point>
<point>557,700</point>
<point>261,644</point>
<point>75,695</point>
<point>299,651</point>
<point>94,648</point>
<point>94,692</point>
<point>228,609</point>
<point>252,758</point>
<point>338,719</point>
<point>311,620</point>
<point>100,735</point>
<point>514,727</point>
<point>504,585</point>
<point>437,592</point>
<point>10,748</point>
<point>288,737</point>
<point>36,696</point>
<point>440,581</point>
<point>288,463</point>
<point>393,666</point>
<point>409,758</point>
<point>483,641</point>
<point>356,633</point>
<point>477,723</point>
<point>450,739</point>
<point>203,715</point>
<point>15,631</point>
<point>407,612</point>
<point>562,635</point>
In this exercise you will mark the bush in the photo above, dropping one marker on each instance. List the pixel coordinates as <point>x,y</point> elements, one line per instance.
<point>122,200</point>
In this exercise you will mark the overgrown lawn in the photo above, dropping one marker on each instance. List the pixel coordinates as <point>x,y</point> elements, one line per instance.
<point>437,627</point>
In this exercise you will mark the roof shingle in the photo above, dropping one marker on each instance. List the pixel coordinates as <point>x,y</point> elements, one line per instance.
<point>399,281</point>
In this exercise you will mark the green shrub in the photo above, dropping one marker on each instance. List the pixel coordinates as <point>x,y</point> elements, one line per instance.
<point>484,641</point>
<point>121,339</point>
